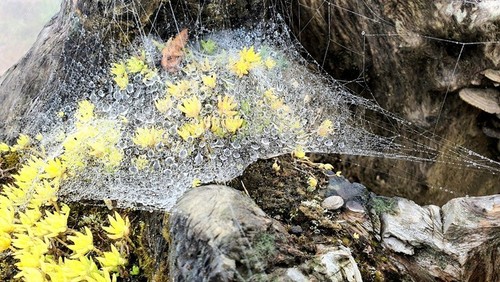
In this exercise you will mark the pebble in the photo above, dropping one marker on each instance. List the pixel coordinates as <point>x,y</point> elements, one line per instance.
<point>355,207</point>
<point>332,203</point>
<point>296,229</point>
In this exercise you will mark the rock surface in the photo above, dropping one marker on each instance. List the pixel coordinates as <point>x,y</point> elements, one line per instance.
<point>219,234</point>
<point>444,242</point>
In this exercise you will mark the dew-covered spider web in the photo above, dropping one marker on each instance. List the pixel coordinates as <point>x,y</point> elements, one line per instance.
<point>133,131</point>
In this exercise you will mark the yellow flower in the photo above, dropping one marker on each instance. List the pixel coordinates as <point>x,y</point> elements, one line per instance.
<point>276,166</point>
<point>120,75</point>
<point>180,89</point>
<point>194,130</point>
<point>82,243</point>
<point>28,260</point>
<point>30,274</point>
<point>163,105</point>
<point>196,183</point>
<point>191,107</point>
<point>54,169</point>
<point>141,162</point>
<point>210,81</point>
<point>46,192</point>
<point>114,158</point>
<point>29,218</point>
<point>22,143</point>
<point>226,106</point>
<point>312,182</point>
<point>240,67</point>
<point>7,215</point>
<point>54,223</point>
<point>135,65</point>
<point>5,241</point>
<point>118,228</point>
<point>81,269</point>
<point>215,126</point>
<point>270,63</point>
<point>111,261</point>
<point>85,111</point>
<point>39,137</point>
<point>103,276</point>
<point>299,153</point>
<point>148,137</point>
<point>325,128</point>
<point>233,123</point>
<point>4,147</point>
<point>249,55</point>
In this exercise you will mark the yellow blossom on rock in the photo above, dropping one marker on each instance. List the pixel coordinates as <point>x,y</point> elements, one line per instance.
<point>111,261</point>
<point>196,183</point>
<point>164,104</point>
<point>191,107</point>
<point>209,80</point>
<point>85,111</point>
<point>180,89</point>
<point>80,270</point>
<point>148,137</point>
<point>226,106</point>
<point>54,223</point>
<point>249,55</point>
<point>312,182</point>
<point>54,169</point>
<point>7,217</point>
<point>299,153</point>
<point>22,143</point>
<point>118,228</point>
<point>270,63</point>
<point>82,243</point>
<point>240,67</point>
<point>46,192</point>
<point>135,64</point>
<point>194,130</point>
<point>5,241</point>
<point>4,147</point>
<point>141,162</point>
<point>325,128</point>
<point>119,72</point>
<point>30,274</point>
<point>29,218</point>
<point>233,123</point>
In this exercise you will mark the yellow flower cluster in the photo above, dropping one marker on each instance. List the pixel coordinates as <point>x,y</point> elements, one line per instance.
<point>247,60</point>
<point>94,139</point>
<point>133,65</point>
<point>149,137</point>
<point>33,225</point>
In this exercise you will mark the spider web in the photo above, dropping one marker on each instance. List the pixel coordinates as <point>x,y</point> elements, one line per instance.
<point>300,83</point>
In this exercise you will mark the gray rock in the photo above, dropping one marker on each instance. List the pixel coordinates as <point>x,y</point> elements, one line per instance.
<point>339,186</point>
<point>332,203</point>
<point>340,265</point>
<point>355,206</point>
<point>293,274</point>
<point>458,242</point>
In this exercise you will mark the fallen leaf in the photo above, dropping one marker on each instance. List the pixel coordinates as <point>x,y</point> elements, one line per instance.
<point>174,51</point>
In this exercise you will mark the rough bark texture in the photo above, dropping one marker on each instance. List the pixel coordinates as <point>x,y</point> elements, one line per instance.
<point>410,75</point>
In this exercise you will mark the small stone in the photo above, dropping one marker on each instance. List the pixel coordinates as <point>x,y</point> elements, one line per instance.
<point>296,229</point>
<point>355,207</point>
<point>332,203</point>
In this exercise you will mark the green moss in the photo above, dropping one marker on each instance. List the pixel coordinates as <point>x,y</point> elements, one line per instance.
<point>383,205</point>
